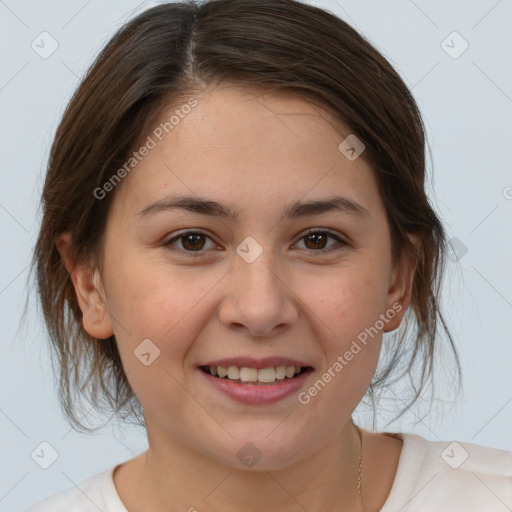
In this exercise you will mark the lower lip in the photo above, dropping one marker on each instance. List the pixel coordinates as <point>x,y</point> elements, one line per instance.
<point>258,393</point>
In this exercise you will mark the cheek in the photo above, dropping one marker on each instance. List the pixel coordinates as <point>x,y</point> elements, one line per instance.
<point>150,298</point>
<point>151,302</point>
<point>348,300</point>
<point>347,306</point>
<point>344,319</point>
<point>154,317</point>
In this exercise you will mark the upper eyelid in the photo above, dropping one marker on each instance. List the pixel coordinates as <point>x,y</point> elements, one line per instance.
<point>321,230</point>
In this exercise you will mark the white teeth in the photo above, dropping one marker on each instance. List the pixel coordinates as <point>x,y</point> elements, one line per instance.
<point>248,374</point>
<point>264,375</point>
<point>280,372</point>
<point>233,372</point>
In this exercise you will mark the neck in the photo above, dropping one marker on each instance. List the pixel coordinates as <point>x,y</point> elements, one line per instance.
<point>173,474</point>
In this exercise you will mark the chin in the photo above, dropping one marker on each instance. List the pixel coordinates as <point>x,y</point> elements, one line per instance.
<point>261,451</point>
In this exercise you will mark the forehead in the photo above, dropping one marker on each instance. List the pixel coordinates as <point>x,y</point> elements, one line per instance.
<point>250,146</point>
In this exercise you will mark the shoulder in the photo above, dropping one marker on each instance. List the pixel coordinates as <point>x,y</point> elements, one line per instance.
<point>91,495</point>
<point>451,475</point>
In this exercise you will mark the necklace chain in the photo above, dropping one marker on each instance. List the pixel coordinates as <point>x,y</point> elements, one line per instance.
<point>360,467</point>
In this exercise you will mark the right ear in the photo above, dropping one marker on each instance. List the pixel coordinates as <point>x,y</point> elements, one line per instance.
<point>88,288</point>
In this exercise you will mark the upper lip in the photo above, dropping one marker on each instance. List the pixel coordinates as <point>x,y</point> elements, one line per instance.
<point>251,362</point>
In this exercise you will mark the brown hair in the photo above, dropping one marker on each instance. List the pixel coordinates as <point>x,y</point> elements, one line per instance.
<point>166,54</point>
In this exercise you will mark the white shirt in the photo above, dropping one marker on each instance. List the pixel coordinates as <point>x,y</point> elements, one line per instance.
<point>432,476</point>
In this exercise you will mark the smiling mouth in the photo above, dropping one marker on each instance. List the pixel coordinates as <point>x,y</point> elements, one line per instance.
<point>255,376</point>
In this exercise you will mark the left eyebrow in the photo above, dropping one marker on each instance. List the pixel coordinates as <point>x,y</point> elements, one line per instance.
<point>295,210</point>
<point>336,203</point>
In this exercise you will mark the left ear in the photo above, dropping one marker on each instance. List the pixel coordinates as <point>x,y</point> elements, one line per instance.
<point>400,284</point>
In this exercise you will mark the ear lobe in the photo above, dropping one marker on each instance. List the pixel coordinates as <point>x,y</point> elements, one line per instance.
<point>401,283</point>
<point>88,288</point>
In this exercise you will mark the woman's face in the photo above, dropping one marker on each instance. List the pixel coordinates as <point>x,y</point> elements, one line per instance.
<point>249,286</point>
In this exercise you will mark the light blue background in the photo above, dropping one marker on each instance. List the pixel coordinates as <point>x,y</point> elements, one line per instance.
<point>467,107</point>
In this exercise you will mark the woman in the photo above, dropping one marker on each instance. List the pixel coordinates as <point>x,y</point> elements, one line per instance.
<point>234,215</point>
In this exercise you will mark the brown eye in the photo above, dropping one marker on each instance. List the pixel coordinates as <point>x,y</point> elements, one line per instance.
<point>191,242</point>
<point>317,241</point>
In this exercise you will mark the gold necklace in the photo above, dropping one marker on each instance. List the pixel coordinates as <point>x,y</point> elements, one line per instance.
<point>360,465</point>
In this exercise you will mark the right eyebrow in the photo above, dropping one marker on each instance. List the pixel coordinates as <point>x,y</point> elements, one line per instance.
<point>190,203</point>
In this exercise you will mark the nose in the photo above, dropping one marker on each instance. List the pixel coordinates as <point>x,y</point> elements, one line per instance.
<point>259,299</point>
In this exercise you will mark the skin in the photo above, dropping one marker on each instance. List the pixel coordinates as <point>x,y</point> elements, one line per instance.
<point>254,152</point>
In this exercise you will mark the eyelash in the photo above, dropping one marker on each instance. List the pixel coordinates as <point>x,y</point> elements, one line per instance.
<point>311,231</point>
